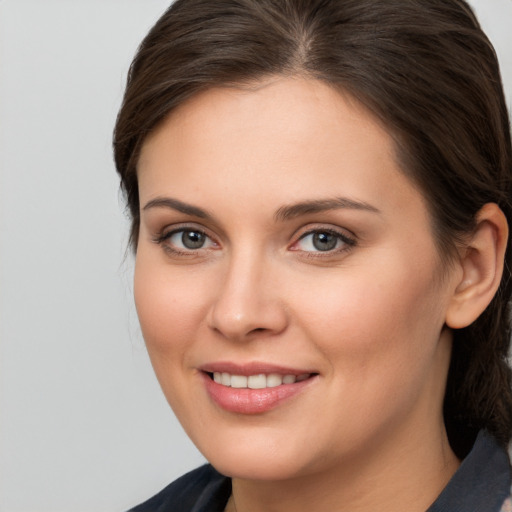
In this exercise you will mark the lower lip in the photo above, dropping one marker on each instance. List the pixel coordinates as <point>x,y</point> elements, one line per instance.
<point>252,401</point>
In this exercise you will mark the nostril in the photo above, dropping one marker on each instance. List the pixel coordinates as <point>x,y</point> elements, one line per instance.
<point>238,317</point>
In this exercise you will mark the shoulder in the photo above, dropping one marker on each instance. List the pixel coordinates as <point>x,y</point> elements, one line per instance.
<point>203,489</point>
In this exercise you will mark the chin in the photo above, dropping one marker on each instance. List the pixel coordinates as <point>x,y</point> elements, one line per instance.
<point>256,456</point>
<point>256,468</point>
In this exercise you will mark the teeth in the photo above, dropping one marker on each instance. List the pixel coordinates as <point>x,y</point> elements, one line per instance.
<point>257,381</point>
<point>274,380</point>
<point>226,379</point>
<point>260,381</point>
<point>239,381</point>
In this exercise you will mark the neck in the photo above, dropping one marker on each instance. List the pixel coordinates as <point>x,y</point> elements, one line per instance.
<point>374,482</point>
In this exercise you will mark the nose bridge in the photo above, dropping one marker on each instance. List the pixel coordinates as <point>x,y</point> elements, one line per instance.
<point>246,301</point>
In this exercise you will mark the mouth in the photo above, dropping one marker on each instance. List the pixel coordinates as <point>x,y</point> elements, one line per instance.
<point>257,381</point>
<point>254,389</point>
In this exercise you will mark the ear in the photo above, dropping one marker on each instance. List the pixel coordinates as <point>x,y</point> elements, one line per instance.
<point>481,261</point>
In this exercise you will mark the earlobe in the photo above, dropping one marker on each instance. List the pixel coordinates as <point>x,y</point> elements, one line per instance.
<point>481,261</point>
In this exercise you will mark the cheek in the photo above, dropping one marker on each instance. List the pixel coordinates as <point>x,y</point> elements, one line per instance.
<point>381,348</point>
<point>377,322</point>
<point>170,308</point>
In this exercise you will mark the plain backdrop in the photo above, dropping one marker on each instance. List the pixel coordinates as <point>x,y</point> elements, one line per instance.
<point>84,426</point>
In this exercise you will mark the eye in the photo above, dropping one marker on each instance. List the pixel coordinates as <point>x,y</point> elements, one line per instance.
<point>184,240</point>
<point>323,241</point>
<point>188,239</point>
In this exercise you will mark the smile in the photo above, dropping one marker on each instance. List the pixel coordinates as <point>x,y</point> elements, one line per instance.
<point>253,389</point>
<point>259,381</point>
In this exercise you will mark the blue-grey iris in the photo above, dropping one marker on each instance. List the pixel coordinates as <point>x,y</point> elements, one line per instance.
<point>193,239</point>
<point>324,241</point>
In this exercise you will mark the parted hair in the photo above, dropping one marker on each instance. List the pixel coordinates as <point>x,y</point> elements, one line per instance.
<point>424,68</point>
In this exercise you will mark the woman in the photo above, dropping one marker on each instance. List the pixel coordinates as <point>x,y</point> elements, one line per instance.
<point>320,193</point>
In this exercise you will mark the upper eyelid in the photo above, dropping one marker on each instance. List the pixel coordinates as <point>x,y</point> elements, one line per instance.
<point>168,231</point>
<point>184,226</point>
<point>333,231</point>
<point>215,232</point>
<point>318,228</point>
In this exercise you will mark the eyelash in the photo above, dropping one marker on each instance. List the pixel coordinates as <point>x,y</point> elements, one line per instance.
<point>164,237</point>
<point>347,241</point>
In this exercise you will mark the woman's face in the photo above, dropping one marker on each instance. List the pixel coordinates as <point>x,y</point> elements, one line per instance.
<point>287,281</point>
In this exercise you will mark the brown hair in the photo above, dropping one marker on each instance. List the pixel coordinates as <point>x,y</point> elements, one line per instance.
<point>425,69</point>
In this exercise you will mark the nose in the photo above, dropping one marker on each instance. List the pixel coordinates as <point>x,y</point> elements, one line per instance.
<point>248,302</point>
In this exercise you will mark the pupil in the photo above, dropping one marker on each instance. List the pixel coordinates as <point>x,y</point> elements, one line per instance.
<point>324,241</point>
<point>192,239</point>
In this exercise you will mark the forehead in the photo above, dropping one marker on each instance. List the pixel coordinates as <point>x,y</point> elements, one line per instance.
<point>290,107</point>
<point>287,138</point>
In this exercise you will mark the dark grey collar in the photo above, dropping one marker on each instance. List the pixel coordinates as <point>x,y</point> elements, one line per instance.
<point>482,482</point>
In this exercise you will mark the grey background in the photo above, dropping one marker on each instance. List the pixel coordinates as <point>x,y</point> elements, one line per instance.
<point>83,423</point>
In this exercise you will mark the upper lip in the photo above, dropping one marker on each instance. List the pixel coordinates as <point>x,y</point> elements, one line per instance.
<point>252,368</point>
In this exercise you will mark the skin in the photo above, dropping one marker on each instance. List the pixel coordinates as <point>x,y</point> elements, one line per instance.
<point>369,317</point>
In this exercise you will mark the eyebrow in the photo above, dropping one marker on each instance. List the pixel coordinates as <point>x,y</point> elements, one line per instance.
<point>321,205</point>
<point>180,206</point>
<point>284,213</point>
